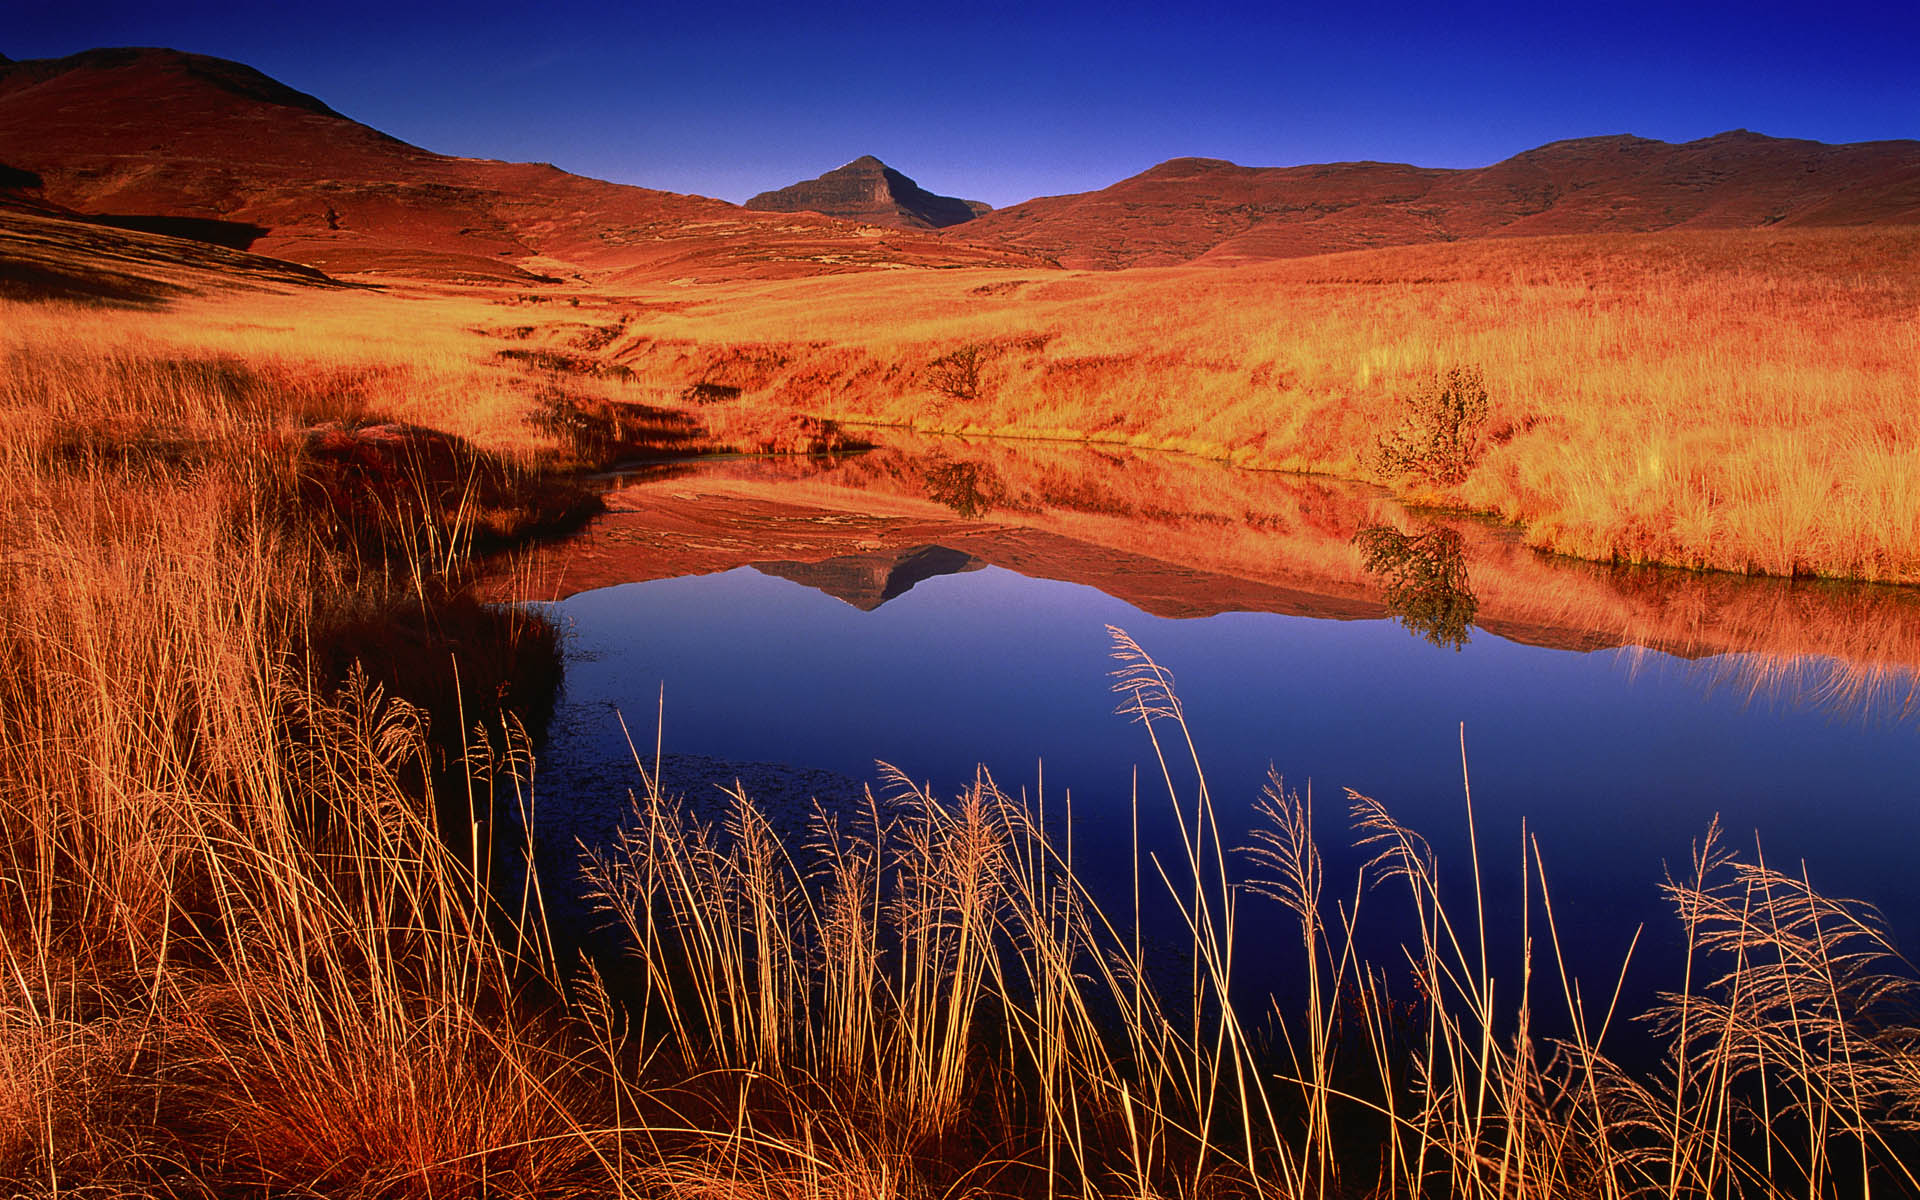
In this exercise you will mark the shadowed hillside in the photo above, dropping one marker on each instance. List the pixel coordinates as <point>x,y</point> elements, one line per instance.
<point>49,255</point>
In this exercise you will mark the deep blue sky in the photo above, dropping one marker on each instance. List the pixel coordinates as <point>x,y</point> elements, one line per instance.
<point>1001,102</point>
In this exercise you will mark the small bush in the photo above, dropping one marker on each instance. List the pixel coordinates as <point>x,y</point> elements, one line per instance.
<point>1438,438</point>
<point>709,393</point>
<point>957,374</point>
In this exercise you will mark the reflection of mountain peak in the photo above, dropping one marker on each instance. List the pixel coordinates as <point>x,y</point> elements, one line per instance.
<point>867,581</point>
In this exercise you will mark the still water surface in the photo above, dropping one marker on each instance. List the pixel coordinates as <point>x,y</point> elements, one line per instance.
<point>874,625</point>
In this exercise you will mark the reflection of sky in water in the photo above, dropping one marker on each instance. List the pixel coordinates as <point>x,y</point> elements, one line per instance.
<point>1616,770</point>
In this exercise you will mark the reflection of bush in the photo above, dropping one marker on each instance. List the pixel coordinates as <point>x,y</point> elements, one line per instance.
<point>1423,579</point>
<point>1438,436</point>
<point>970,489</point>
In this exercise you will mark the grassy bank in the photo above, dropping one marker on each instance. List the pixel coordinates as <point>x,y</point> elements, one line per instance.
<point>240,951</point>
<point>1740,401</point>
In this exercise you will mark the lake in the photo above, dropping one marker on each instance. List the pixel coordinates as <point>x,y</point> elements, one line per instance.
<point>944,606</point>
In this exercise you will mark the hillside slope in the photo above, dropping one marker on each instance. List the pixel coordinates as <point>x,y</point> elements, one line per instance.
<point>149,133</point>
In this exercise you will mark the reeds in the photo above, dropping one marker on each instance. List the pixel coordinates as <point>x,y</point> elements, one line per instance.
<point>237,950</point>
<point>890,960</point>
<point>935,974</point>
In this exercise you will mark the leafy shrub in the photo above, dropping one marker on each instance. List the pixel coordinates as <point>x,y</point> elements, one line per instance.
<point>1438,438</point>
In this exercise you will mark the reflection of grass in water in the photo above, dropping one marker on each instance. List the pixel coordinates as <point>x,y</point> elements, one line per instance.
<point>1423,579</point>
<point>1297,532</point>
<point>1829,683</point>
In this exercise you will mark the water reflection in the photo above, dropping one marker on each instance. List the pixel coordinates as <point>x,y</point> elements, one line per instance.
<point>971,489</point>
<point>1423,579</point>
<point>867,581</point>
<point>1181,537</point>
<point>950,613</point>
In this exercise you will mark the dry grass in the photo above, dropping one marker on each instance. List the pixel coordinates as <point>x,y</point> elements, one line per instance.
<point>238,951</point>
<point>271,358</point>
<point>1741,401</point>
<point>249,936</point>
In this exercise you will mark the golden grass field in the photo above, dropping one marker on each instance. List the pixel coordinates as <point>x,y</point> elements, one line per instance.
<point>1739,401</point>
<point>260,934</point>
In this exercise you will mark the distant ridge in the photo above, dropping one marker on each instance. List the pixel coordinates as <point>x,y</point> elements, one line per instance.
<point>870,191</point>
<point>172,142</point>
<point>235,78</point>
<point>1203,209</point>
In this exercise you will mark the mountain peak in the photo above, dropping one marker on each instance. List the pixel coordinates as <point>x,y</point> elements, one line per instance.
<point>1188,165</point>
<point>868,190</point>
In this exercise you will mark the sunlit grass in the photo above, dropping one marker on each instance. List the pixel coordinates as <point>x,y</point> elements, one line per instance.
<point>238,951</point>
<point>305,356</point>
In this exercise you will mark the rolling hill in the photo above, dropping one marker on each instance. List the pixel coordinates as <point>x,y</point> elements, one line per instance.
<point>167,142</point>
<point>154,136</point>
<point>1209,210</point>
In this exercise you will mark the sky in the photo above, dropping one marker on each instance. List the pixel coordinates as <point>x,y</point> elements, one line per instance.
<point>1002,102</point>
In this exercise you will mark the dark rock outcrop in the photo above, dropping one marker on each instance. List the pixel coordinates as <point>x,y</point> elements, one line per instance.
<point>868,190</point>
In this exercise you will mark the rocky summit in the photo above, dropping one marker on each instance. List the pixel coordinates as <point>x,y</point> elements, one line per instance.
<point>868,190</point>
